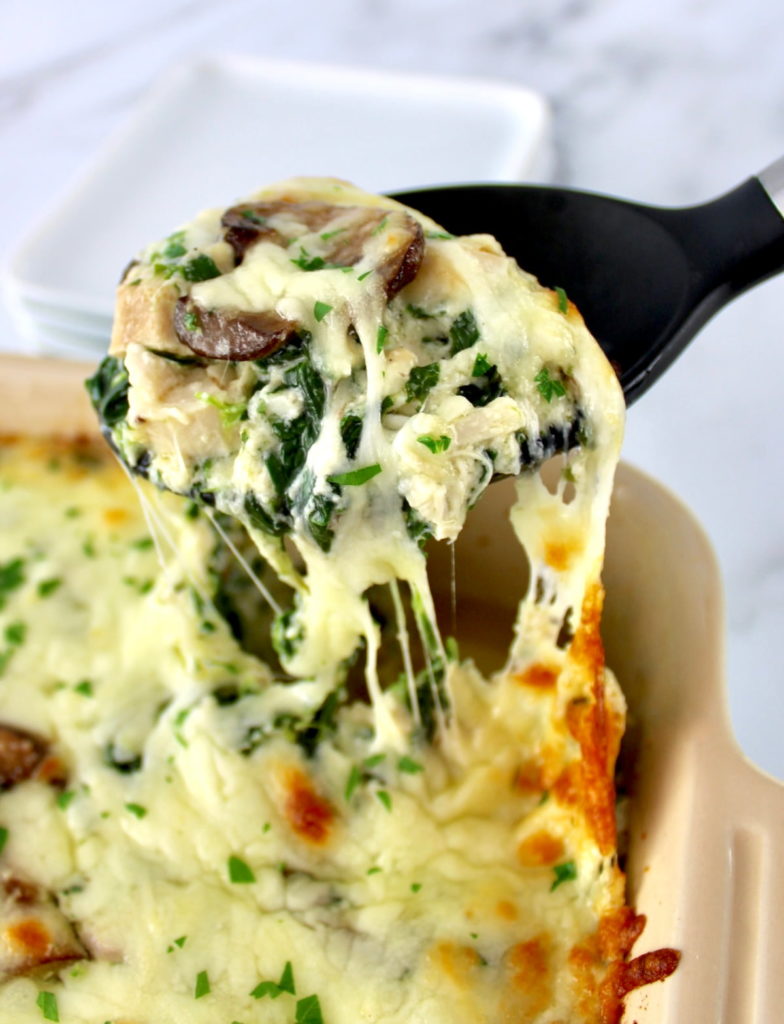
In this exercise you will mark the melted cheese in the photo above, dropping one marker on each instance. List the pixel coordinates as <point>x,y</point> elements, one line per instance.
<point>444,851</point>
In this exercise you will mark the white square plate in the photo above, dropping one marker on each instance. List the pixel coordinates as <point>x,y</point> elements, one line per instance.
<point>221,127</point>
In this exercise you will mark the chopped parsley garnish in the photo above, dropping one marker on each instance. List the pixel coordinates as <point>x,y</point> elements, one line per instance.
<point>374,871</point>
<point>326,235</point>
<point>354,780</point>
<point>200,268</point>
<point>374,760</point>
<point>239,872</point>
<point>179,943</point>
<point>409,765</point>
<point>482,365</point>
<point>563,300</point>
<point>192,322</point>
<point>308,1011</point>
<point>416,886</point>
<point>549,387</point>
<point>11,577</point>
<point>381,225</point>
<point>438,234</point>
<point>320,310</point>
<point>85,688</point>
<point>275,988</point>
<point>15,633</point>
<point>421,381</point>
<point>381,337</point>
<point>254,218</point>
<point>47,1001</point>
<point>565,872</point>
<point>418,313</point>
<point>47,587</point>
<point>362,277</point>
<point>384,798</point>
<point>64,798</point>
<point>202,986</point>
<point>463,332</point>
<point>3,837</point>
<point>230,412</point>
<point>137,810</point>
<point>355,477</point>
<point>435,444</point>
<point>307,262</point>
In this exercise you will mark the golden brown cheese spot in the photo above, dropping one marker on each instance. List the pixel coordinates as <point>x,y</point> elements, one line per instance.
<point>559,553</point>
<point>30,938</point>
<point>540,850</point>
<point>506,910</point>
<point>537,775</point>
<point>115,516</point>
<point>589,781</point>
<point>540,677</point>
<point>529,988</point>
<point>308,813</point>
<point>455,961</point>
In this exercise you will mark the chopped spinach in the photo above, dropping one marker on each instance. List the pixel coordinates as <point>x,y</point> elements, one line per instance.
<point>108,390</point>
<point>351,433</point>
<point>421,381</point>
<point>464,331</point>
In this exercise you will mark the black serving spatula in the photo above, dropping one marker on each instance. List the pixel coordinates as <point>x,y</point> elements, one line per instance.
<point>645,278</point>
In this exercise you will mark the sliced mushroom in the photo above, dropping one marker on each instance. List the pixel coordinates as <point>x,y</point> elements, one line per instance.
<point>20,755</point>
<point>34,932</point>
<point>228,334</point>
<point>346,235</point>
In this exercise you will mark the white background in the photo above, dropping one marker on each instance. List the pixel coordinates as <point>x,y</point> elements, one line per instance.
<point>670,103</point>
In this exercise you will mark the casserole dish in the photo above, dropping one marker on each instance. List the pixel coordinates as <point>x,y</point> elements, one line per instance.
<point>705,827</point>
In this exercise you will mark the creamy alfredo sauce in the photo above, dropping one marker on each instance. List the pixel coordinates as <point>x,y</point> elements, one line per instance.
<point>228,840</point>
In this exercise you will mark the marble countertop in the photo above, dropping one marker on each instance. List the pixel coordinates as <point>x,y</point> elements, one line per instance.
<point>670,104</point>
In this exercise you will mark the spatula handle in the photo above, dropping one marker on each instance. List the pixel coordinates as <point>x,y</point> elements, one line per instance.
<point>772,180</point>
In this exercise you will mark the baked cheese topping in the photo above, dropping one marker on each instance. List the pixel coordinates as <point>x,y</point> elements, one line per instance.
<point>282,795</point>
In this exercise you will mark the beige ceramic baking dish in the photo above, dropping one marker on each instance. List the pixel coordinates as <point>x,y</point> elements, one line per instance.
<point>706,854</point>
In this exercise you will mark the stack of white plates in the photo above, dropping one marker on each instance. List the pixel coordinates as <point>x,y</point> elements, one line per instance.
<point>222,127</point>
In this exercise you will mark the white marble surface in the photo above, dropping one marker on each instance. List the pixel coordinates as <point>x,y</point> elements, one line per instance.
<point>669,103</point>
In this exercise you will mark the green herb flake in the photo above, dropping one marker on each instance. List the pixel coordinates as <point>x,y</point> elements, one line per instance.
<point>192,322</point>
<point>435,444</point>
<point>65,798</point>
<point>230,412</point>
<point>48,587</point>
<point>421,381</point>
<point>307,262</point>
<point>362,277</point>
<point>11,577</point>
<point>239,872</point>
<point>374,760</point>
<point>418,313</point>
<point>47,1001</point>
<point>200,268</point>
<point>381,225</point>
<point>15,633</point>
<point>374,871</point>
<point>563,300</point>
<point>464,332</point>
<point>381,337</point>
<point>266,988</point>
<point>436,235</point>
<point>3,837</point>
<point>354,779</point>
<point>286,983</point>
<point>137,810</point>
<point>384,798</point>
<point>355,477</point>
<point>482,365</point>
<point>320,310</point>
<point>565,872</point>
<point>547,386</point>
<point>178,943</point>
<point>409,765</point>
<point>326,235</point>
<point>416,886</point>
<point>85,688</point>
<point>308,1011</point>
<point>202,986</point>
<point>253,217</point>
